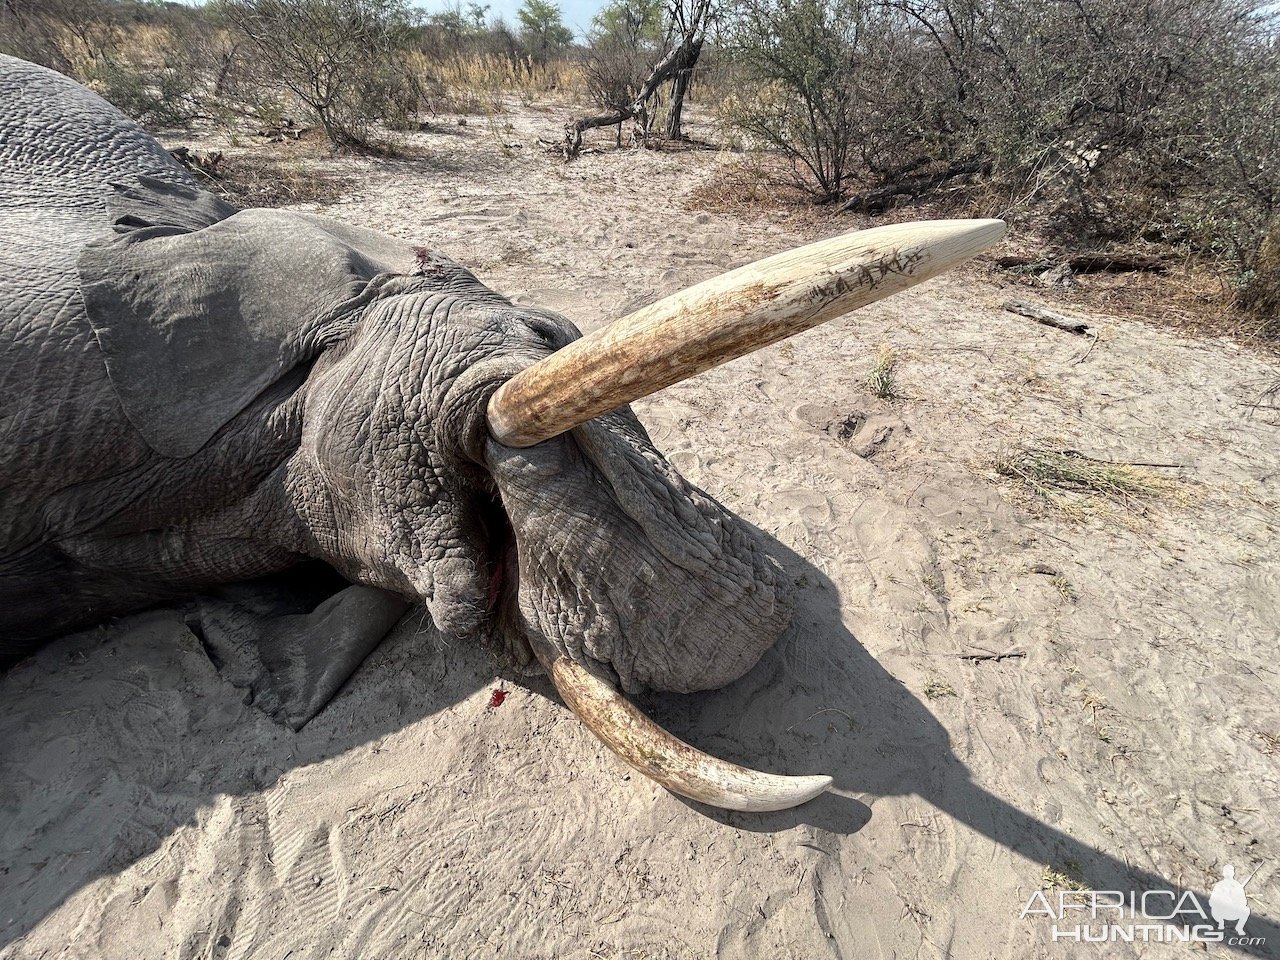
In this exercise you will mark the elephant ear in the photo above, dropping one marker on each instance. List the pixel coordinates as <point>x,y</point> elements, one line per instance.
<point>198,307</point>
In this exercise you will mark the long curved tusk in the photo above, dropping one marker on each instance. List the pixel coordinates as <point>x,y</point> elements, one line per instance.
<point>726,317</point>
<point>666,759</point>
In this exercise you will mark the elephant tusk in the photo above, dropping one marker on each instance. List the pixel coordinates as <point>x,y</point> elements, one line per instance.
<point>664,758</point>
<point>726,317</point>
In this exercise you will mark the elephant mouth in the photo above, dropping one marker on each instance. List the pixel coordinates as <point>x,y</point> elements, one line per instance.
<point>503,582</point>
<point>611,717</point>
<point>504,564</point>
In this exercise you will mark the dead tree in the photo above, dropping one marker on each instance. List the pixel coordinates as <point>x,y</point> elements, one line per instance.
<point>685,34</point>
<point>690,25</point>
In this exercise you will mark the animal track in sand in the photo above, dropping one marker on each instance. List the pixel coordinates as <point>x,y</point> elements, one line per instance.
<point>863,434</point>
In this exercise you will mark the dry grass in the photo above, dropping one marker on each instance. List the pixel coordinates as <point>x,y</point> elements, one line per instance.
<point>1066,590</point>
<point>1053,879</point>
<point>882,380</point>
<point>1268,397</point>
<point>937,689</point>
<point>265,181</point>
<point>477,83</point>
<point>753,184</point>
<point>1078,485</point>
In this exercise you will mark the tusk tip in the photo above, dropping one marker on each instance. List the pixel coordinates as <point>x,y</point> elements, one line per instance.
<point>788,792</point>
<point>725,317</point>
<point>981,233</point>
<point>667,760</point>
<point>763,792</point>
<point>992,230</point>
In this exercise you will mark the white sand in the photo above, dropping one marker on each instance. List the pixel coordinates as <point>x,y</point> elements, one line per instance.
<point>146,812</point>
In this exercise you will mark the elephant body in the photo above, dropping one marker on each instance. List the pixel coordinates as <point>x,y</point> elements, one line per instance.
<point>56,400</point>
<point>194,396</point>
<point>95,520</point>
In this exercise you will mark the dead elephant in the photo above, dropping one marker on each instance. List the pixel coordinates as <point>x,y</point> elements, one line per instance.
<point>195,396</point>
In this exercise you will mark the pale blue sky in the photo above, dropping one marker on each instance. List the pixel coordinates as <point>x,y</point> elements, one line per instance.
<point>577,13</point>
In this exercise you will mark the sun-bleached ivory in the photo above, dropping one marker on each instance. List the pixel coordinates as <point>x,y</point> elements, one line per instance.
<point>726,317</point>
<point>667,760</point>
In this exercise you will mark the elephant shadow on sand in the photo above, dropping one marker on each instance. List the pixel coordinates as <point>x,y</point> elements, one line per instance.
<point>116,737</point>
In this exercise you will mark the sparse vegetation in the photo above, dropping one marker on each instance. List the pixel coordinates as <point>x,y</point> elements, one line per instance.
<point>816,73</point>
<point>1102,124</point>
<point>344,61</point>
<point>936,689</point>
<point>1259,281</point>
<point>1072,482</point>
<point>622,47</point>
<point>882,381</point>
<point>142,57</point>
<point>542,30</point>
<point>1066,590</point>
<point>670,75</point>
<point>357,69</point>
<point>1054,879</point>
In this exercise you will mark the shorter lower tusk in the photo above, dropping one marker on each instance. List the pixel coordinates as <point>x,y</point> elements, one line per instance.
<point>666,759</point>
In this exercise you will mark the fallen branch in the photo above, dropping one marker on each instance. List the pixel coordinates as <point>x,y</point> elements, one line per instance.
<point>1122,463</point>
<point>1118,262</point>
<point>882,198</point>
<point>1047,317</point>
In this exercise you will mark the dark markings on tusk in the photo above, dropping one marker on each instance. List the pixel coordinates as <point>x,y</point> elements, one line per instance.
<point>726,317</point>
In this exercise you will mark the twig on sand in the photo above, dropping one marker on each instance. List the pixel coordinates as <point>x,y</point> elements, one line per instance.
<point>823,710</point>
<point>922,824</point>
<point>1010,654</point>
<point>1085,356</point>
<point>1266,399</point>
<point>1122,463</point>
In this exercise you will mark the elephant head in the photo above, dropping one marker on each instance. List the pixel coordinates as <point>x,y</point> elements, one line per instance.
<point>457,450</point>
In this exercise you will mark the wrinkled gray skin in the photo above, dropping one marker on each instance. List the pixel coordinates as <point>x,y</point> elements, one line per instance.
<point>192,396</point>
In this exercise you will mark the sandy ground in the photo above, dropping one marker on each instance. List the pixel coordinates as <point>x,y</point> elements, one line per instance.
<point>1129,742</point>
